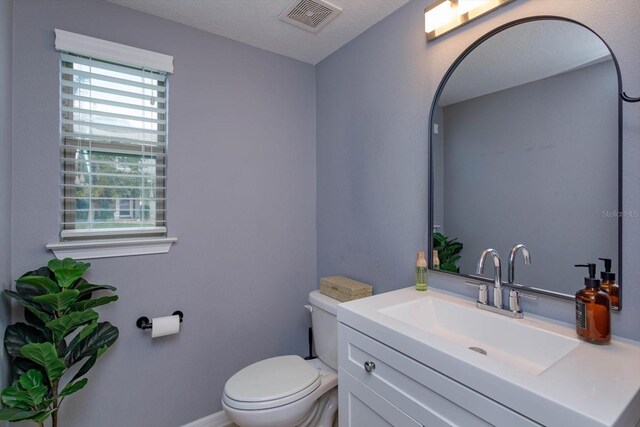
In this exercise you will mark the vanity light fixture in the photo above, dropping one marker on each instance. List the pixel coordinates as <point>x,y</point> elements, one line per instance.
<point>443,16</point>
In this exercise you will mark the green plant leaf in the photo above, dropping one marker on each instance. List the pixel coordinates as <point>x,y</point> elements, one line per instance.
<point>41,315</point>
<point>70,322</point>
<point>456,248</point>
<point>31,383</point>
<point>80,283</point>
<point>58,302</point>
<point>31,378</point>
<point>448,266</point>
<point>34,307</point>
<point>103,336</point>
<point>86,366</point>
<point>15,414</point>
<point>41,416</point>
<point>28,291</point>
<point>67,270</point>
<point>73,387</point>
<point>90,362</point>
<point>45,355</point>
<point>62,347</point>
<point>33,320</point>
<point>27,393</point>
<point>20,366</point>
<point>42,271</point>
<point>102,350</point>
<point>15,397</point>
<point>87,288</point>
<point>439,240</point>
<point>41,282</point>
<point>84,332</point>
<point>19,334</point>
<point>84,305</point>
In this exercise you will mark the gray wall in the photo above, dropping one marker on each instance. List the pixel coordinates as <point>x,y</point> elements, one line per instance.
<point>241,189</point>
<point>372,122</point>
<point>6,11</point>
<point>373,102</point>
<point>536,164</point>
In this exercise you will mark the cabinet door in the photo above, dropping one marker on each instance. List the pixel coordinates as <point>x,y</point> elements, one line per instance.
<point>362,407</point>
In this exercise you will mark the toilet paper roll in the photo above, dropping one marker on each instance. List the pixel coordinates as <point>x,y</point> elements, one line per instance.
<point>167,325</point>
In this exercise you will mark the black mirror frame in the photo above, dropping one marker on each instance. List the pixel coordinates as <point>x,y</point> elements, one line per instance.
<point>621,97</point>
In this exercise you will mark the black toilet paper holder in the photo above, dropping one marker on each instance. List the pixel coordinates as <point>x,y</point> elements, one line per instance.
<point>144,323</point>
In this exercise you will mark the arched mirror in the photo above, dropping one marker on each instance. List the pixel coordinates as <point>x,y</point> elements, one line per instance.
<point>525,148</point>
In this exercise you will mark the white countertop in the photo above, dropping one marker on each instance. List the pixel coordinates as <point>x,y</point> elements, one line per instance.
<point>593,385</point>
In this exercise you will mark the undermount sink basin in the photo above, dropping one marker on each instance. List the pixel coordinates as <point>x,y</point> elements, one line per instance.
<point>515,342</point>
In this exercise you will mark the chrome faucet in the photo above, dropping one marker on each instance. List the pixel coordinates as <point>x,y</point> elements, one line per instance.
<point>514,296</point>
<point>512,260</point>
<point>497,278</point>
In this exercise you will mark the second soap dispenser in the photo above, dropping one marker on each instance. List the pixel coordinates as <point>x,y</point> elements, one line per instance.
<point>593,310</point>
<point>608,284</point>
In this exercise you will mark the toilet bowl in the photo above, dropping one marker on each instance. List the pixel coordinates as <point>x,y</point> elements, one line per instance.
<point>288,391</point>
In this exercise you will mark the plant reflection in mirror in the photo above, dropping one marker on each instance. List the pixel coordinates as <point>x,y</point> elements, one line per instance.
<point>448,252</point>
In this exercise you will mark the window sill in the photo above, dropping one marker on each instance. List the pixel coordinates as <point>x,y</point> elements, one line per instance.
<point>88,249</point>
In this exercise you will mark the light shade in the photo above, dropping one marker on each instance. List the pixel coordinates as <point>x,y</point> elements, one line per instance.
<point>443,16</point>
<point>440,15</point>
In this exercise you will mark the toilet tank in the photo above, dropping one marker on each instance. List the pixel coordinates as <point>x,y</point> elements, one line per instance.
<point>324,321</point>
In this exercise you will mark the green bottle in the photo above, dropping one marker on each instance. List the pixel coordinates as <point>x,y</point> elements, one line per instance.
<point>421,272</point>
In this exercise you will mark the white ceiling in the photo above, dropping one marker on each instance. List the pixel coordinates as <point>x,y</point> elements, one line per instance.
<point>525,53</point>
<point>256,22</point>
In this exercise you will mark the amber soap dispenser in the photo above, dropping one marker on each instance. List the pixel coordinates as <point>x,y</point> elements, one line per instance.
<point>608,284</point>
<point>593,310</point>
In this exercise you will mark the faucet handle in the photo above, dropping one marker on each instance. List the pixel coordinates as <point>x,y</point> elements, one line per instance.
<point>482,291</point>
<point>514,300</point>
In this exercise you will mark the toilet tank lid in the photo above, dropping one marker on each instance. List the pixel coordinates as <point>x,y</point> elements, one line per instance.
<point>324,302</point>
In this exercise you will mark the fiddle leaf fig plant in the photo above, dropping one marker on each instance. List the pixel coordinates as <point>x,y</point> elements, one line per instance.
<point>61,329</point>
<point>448,252</point>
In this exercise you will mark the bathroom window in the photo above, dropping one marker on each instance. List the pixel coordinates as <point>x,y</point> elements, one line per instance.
<point>113,155</point>
<point>114,149</point>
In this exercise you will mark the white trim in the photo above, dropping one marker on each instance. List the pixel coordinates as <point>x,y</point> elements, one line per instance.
<point>219,419</point>
<point>113,231</point>
<point>110,51</point>
<point>111,248</point>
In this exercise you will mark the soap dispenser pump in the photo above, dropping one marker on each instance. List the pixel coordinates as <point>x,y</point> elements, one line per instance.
<point>593,310</point>
<point>608,284</point>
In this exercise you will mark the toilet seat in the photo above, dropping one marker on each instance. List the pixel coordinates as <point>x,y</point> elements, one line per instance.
<point>271,383</point>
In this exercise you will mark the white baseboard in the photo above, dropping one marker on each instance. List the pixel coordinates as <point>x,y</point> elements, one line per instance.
<point>219,419</point>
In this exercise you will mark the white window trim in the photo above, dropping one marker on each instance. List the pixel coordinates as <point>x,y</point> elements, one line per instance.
<point>106,232</point>
<point>108,248</point>
<point>110,51</point>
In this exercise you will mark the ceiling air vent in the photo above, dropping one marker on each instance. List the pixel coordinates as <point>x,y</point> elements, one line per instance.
<point>310,15</point>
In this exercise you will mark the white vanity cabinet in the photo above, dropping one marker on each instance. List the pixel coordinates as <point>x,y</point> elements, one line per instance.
<point>400,391</point>
<point>439,361</point>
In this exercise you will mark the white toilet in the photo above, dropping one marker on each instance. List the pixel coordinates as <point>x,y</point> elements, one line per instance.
<point>288,391</point>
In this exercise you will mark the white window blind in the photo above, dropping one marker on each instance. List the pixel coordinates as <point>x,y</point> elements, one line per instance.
<point>113,151</point>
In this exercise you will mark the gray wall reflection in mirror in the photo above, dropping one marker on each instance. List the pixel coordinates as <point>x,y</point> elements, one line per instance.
<point>526,151</point>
